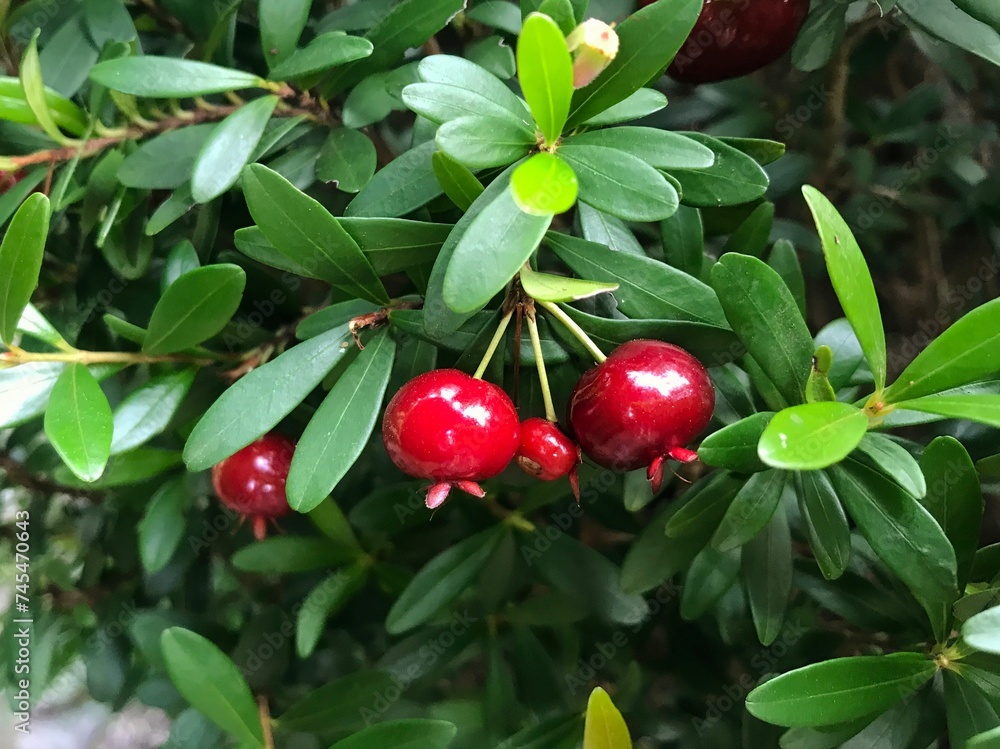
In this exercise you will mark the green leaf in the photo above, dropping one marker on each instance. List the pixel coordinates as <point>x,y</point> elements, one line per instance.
<point>984,10</point>
<point>341,426</point>
<point>545,71</point>
<point>954,498</point>
<point>78,422</point>
<point>544,185</point>
<point>132,467</point>
<point>605,727</point>
<point>648,289</point>
<point>894,461</point>
<point>812,436</point>
<point>753,234</point>
<point>851,280</point>
<point>984,409</point>
<point>648,41</point>
<point>280,555</point>
<point>704,506</point>
<point>442,580</point>
<point>459,184</point>
<point>322,53</point>
<point>839,690</point>
<point>904,535</point>
<point>684,241</point>
<point>147,410</point>
<point>988,740</point>
<point>483,141</point>
<point>785,261</point>
<point>162,526</point>
<point>602,228</point>
<point>709,577</point>
<point>401,187</point>
<point>829,533</point>
<point>169,77</point>
<point>967,351</point>
<point>735,446</point>
<point>210,681</point>
<point>968,710</point>
<point>474,276</point>
<point>34,92</point>
<point>274,389</point>
<point>982,631</point>
<point>733,179</point>
<point>642,103</point>
<point>281,23</point>
<point>339,706</point>
<point>750,511</point>
<point>546,287</point>
<point>323,602</point>
<point>491,94</point>
<point>662,149</point>
<point>402,734</point>
<point>166,161</point>
<point>14,107</point>
<point>194,308</point>
<point>21,261</point>
<point>108,21</point>
<point>766,563</point>
<point>228,149</point>
<point>621,184</point>
<point>183,257</point>
<point>443,102</point>
<point>308,234</point>
<point>348,159</point>
<point>941,19</point>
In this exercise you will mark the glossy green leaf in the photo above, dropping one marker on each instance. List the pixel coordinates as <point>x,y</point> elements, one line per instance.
<point>602,228</point>
<point>750,511</point>
<point>274,389</point>
<point>123,469</point>
<point>851,280</point>
<point>733,179</point>
<point>545,72</point>
<point>605,727</point>
<point>826,522</point>
<point>169,77</point>
<point>984,409</point>
<point>474,276</point>
<point>710,576</point>
<point>785,261</point>
<point>839,690</point>
<point>955,498</point>
<point>759,149</point>
<point>482,141</point>
<point>279,555</point>
<point>194,308</point>
<point>166,161</point>
<point>210,681</point>
<point>904,535</point>
<point>443,102</point>
<point>968,710</point>
<point>458,182</point>
<point>544,185</point>
<point>704,506</point>
<point>752,235</point>
<point>228,149</point>
<point>341,426</point>
<point>30,73</point>
<point>147,410</point>
<point>662,149</point>
<point>762,312</point>
<point>400,188</point>
<point>442,580</point>
<point>546,287</point>
<point>648,41</point>
<point>21,261</point>
<point>322,53</point>
<point>348,159</point>
<point>162,526</point>
<point>14,107</point>
<point>812,436</point>
<point>683,240</point>
<point>967,351</point>
<point>735,446</point>
<point>183,257</point>
<point>490,91</point>
<point>621,184</point>
<point>402,734</point>
<point>644,102</point>
<point>78,422</point>
<point>338,706</point>
<point>323,602</point>
<point>308,234</point>
<point>894,461</point>
<point>982,632</point>
<point>766,563</point>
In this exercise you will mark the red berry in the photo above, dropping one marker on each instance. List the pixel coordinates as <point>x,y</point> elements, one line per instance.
<point>732,38</point>
<point>642,405</point>
<point>452,428</point>
<point>546,453</point>
<point>252,480</point>
<point>9,179</point>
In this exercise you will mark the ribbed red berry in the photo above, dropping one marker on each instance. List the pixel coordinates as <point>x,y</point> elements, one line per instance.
<point>451,428</point>
<point>546,453</point>
<point>252,480</point>
<point>640,406</point>
<point>732,38</point>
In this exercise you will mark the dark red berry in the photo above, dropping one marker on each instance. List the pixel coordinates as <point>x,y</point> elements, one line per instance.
<point>252,480</point>
<point>732,38</point>
<point>642,405</point>
<point>451,428</point>
<point>546,453</point>
<point>9,179</point>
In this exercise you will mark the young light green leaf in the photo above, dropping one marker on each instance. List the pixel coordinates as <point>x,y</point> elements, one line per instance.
<point>148,409</point>
<point>169,77</point>
<point>621,184</point>
<point>546,287</point>
<point>194,308</point>
<point>893,460</point>
<point>21,261</point>
<point>544,185</point>
<point>982,631</point>
<point>829,533</point>
<point>605,727</point>
<point>228,148</point>
<point>840,690</point>
<point>212,683</point>
<point>14,107</point>
<point>341,426</point>
<point>458,182</point>
<point>281,23</point>
<point>162,526</point>
<point>442,580</point>
<point>78,422</point>
<point>812,436</point>
<point>34,92</point>
<point>750,511</point>
<point>307,233</point>
<point>545,71</point>
<point>402,734</point>
<point>766,563</point>
<point>483,141</point>
<point>662,149</point>
<point>323,602</point>
<point>851,280</point>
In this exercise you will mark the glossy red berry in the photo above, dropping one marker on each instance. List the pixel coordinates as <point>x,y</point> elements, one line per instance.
<point>732,38</point>
<point>451,428</point>
<point>252,480</point>
<point>642,405</point>
<point>546,453</point>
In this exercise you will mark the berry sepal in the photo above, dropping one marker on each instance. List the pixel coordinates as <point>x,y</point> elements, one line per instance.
<point>439,492</point>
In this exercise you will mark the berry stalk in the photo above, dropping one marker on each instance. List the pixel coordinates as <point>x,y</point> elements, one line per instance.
<point>543,377</point>
<point>578,332</point>
<point>491,349</point>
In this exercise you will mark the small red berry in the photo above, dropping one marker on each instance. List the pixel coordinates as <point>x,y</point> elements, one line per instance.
<point>642,405</point>
<point>546,453</point>
<point>451,428</point>
<point>732,38</point>
<point>252,480</point>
